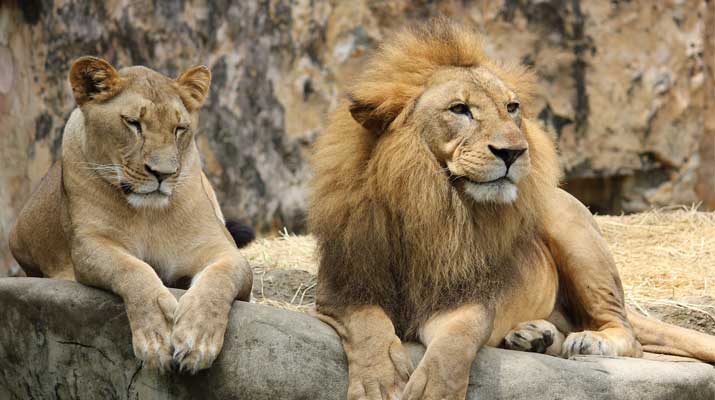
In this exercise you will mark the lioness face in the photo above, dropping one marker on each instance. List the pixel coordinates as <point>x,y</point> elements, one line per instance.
<point>472,124</point>
<point>149,141</point>
<point>139,136</point>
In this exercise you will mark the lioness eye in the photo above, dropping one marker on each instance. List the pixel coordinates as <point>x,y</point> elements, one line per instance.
<point>180,130</point>
<point>461,109</point>
<point>135,124</point>
<point>512,107</point>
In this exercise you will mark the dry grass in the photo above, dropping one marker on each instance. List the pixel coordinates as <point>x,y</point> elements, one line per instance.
<point>664,257</point>
<point>285,251</point>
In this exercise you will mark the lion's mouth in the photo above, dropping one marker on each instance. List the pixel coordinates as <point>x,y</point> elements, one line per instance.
<point>501,179</point>
<point>126,188</point>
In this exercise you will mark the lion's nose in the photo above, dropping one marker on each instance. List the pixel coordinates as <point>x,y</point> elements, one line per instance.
<point>507,155</point>
<point>160,173</point>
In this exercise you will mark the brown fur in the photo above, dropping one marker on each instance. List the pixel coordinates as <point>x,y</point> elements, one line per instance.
<point>407,226</point>
<point>366,215</point>
<point>128,209</point>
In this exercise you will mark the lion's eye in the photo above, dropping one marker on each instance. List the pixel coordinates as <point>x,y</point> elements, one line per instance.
<point>512,107</point>
<point>179,130</point>
<point>461,109</point>
<point>133,123</point>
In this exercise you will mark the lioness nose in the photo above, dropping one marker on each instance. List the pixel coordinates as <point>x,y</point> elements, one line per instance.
<point>160,174</point>
<point>507,155</point>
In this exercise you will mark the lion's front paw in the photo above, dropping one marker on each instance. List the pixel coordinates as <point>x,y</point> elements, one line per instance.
<point>199,327</point>
<point>379,376</point>
<point>150,322</point>
<point>587,343</point>
<point>438,377</point>
<point>538,336</point>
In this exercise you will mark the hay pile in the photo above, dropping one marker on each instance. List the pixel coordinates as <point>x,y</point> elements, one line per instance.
<point>664,257</point>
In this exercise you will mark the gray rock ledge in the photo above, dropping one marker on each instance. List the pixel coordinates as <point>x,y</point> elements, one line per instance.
<point>62,340</point>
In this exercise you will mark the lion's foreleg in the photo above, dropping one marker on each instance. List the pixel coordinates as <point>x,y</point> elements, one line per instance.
<point>202,313</point>
<point>539,336</point>
<point>378,364</point>
<point>452,338</point>
<point>590,288</point>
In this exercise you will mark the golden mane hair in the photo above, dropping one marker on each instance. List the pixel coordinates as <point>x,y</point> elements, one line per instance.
<point>391,229</point>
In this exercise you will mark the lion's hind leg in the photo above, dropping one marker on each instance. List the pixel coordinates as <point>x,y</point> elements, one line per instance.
<point>539,336</point>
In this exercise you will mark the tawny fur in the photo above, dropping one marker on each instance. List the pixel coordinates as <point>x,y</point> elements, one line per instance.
<point>409,250</point>
<point>128,209</point>
<point>381,206</point>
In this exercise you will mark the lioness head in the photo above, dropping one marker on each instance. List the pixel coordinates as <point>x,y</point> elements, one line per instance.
<point>139,125</point>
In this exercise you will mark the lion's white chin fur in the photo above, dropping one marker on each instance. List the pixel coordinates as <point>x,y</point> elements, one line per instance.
<point>502,191</point>
<point>151,200</point>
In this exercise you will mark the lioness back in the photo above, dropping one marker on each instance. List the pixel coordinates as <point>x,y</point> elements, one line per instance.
<point>37,241</point>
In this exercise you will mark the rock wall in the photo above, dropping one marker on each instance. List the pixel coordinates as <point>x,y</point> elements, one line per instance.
<point>622,86</point>
<point>63,340</point>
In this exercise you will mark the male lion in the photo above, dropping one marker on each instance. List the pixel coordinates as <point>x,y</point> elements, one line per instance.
<point>128,209</point>
<point>439,218</point>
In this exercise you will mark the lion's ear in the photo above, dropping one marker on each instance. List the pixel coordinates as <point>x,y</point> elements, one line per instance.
<point>194,86</point>
<point>93,79</point>
<point>369,116</point>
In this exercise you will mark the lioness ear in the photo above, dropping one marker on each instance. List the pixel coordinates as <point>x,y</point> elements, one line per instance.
<point>194,86</point>
<point>93,79</point>
<point>368,116</point>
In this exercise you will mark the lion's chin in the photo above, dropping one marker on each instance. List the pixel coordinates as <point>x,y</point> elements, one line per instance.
<point>502,191</point>
<point>156,200</point>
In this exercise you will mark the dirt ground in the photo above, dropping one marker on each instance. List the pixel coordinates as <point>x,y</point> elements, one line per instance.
<point>699,320</point>
<point>666,260</point>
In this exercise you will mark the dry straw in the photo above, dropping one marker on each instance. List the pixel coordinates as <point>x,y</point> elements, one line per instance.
<point>665,257</point>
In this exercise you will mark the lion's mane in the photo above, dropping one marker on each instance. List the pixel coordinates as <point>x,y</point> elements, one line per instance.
<point>391,228</point>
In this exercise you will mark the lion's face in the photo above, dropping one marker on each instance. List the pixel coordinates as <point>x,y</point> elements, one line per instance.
<point>138,138</point>
<point>471,122</point>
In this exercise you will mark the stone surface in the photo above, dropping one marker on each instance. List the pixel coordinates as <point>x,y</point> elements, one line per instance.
<point>63,340</point>
<point>621,84</point>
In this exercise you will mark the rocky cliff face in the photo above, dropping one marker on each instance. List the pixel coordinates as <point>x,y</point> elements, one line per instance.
<point>622,87</point>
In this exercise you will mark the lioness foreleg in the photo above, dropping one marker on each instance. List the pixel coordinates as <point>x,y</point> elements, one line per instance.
<point>452,339</point>
<point>150,306</point>
<point>378,365</point>
<point>202,313</point>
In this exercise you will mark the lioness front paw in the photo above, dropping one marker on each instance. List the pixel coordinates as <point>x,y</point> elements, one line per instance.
<point>587,343</point>
<point>538,336</point>
<point>150,322</point>
<point>377,376</point>
<point>199,327</point>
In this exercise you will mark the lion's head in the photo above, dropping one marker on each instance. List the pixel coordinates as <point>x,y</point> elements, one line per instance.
<point>139,125</point>
<point>471,122</point>
<point>433,169</point>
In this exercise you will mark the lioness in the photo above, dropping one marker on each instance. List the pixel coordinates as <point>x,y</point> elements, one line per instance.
<point>128,209</point>
<point>438,217</point>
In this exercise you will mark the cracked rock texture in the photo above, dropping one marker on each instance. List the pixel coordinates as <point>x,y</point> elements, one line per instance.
<point>622,85</point>
<point>64,340</point>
